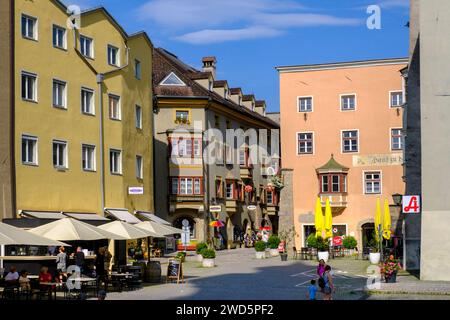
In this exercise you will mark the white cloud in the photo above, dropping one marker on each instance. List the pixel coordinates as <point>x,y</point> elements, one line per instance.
<point>215,36</point>
<point>288,20</point>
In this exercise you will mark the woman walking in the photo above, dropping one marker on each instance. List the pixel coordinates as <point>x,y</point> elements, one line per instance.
<point>61,263</point>
<point>329,286</point>
<point>321,268</point>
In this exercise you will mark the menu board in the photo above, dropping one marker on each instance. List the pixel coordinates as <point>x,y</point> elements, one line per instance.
<point>175,270</point>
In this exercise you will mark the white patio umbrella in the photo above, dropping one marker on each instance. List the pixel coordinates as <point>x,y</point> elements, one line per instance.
<point>161,230</point>
<point>10,235</point>
<point>70,229</point>
<point>127,230</point>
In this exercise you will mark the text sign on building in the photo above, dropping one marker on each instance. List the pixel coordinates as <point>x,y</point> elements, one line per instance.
<point>215,208</point>
<point>135,190</point>
<point>393,159</point>
<point>411,204</point>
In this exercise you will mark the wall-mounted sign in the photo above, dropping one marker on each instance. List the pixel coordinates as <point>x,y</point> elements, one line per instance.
<point>393,159</point>
<point>411,204</point>
<point>215,208</point>
<point>136,190</point>
<point>251,207</point>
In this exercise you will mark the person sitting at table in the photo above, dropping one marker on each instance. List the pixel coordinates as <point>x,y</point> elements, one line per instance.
<point>24,282</point>
<point>45,277</point>
<point>13,276</point>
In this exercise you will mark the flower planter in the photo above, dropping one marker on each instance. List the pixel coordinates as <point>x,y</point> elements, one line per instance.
<point>267,253</point>
<point>274,252</point>
<point>374,257</point>
<point>392,278</point>
<point>323,255</point>
<point>283,256</point>
<point>260,254</point>
<point>208,263</point>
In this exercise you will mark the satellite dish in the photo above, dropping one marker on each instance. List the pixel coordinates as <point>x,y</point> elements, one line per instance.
<point>185,223</point>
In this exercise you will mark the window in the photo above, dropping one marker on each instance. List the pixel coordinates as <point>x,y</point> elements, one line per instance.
<point>186,147</point>
<point>88,157</point>
<point>305,104</point>
<point>114,107</point>
<point>218,149</point>
<point>197,147</point>
<point>350,141</point>
<point>29,86</point>
<point>175,185</point>
<point>230,190</point>
<point>333,183</point>
<point>197,186</point>
<point>172,80</point>
<point>139,167</point>
<point>348,102</point>
<point>182,116</point>
<point>59,37</point>
<point>113,55</point>
<point>115,161</point>
<point>372,182</point>
<point>86,47</point>
<point>59,154</point>
<point>186,186</point>
<point>269,197</point>
<point>244,157</point>
<point>87,101</point>
<point>228,154</point>
<point>29,150</point>
<point>305,143</point>
<point>396,139</point>
<point>219,188</point>
<point>29,27</point>
<point>138,117</point>
<point>137,69</point>
<point>325,184</point>
<point>396,99</point>
<point>59,94</point>
<point>336,186</point>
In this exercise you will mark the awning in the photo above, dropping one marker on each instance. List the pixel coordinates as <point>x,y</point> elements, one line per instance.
<point>86,216</point>
<point>51,215</point>
<point>122,215</point>
<point>152,217</point>
<point>10,235</point>
<point>127,230</point>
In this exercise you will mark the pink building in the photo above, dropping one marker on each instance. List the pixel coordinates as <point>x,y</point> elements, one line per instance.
<point>341,133</point>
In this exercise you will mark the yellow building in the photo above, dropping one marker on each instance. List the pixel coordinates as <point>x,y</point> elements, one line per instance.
<point>83,112</point>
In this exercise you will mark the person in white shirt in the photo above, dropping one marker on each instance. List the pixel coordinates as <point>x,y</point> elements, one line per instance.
<point>12,275</point>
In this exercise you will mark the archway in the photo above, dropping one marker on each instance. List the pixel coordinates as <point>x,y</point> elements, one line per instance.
<point>367,234</point>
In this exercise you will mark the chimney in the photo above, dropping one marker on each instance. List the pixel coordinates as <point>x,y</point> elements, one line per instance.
<point>209,65</point>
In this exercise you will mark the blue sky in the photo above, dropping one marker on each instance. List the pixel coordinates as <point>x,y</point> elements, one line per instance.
<point>251,37</point>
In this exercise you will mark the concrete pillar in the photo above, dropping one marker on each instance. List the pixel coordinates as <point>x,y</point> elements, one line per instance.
<point>286,211</point>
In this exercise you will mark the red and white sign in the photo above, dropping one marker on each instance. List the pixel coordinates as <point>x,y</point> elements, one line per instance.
<point>337,241</point>
<point>411,204</point>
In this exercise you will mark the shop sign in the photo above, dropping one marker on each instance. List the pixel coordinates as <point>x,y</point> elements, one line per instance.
<point>251,207</point>
<point>394,159</point>
<point>411,204</point>
<point>136,190</point>
<point>215,208</point>
<point>337,241</point>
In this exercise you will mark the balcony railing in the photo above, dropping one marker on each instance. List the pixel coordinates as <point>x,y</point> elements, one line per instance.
<point>337,200</point>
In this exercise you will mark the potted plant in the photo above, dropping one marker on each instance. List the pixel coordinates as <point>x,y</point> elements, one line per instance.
<point>389,269</point>
<point>198,249</point>
<point>286,236</point>
<point>181,255</point>
<point>277,182</point>
<point>322,249</point>
<point>273,243</point>
<point>209,256</point>
<point>349,243</point>
<point>311,241</point>
<point>374,255</point>
<point>260,248</point>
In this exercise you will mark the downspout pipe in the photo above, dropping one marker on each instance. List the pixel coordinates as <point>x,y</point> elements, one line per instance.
<point>100,79</point>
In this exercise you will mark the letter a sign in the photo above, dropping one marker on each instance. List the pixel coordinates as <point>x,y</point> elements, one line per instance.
<point>411,204</point>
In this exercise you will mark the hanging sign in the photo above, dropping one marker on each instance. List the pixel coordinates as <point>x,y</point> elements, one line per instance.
<point>251,207</point>
<point>135,190</point>
<point>411,204</point>
<point>215,208</point>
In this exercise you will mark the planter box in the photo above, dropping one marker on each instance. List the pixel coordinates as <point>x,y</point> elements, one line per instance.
<point>208,263</point>
<point>260,254</point>
<point>374,257</point>
<point>283,256</point>
<point>267,253</point>
<point>274,252</point>
<point>392,278</point>
<point>323,255</point>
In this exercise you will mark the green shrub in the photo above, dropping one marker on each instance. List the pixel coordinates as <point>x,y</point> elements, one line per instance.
<point>273,242</point>
<point>208,253</point>
<point>181,256</point>
<point>200,246</point>
<point>311,241</point>
<point>260,246</point>
<point>322,244</point>
<point>349,242</point>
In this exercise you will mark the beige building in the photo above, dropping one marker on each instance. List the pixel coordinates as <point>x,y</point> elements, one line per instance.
<point>196,167</point>
<point>341,132</point>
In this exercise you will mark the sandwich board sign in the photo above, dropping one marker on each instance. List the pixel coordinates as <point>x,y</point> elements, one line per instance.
<point>411,204</point>
<point>175,271</point>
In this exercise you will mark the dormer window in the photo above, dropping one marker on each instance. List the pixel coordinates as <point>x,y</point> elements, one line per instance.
<point>172,80</point>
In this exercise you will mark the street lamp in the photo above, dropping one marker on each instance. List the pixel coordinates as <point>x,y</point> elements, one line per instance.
<point>397,197</point>
<point>398,202</point>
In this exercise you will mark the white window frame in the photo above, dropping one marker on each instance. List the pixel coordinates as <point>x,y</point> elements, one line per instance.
<point>138,116</point>
<point>64,95</point>
<point>117,55</point>
<point>303,225</point>
<point>119,107</point>
<point>313,143</point>
<point>346,95</point>
<point>35,150</point>
<point>232,190</point>
<point>91,54</point>
<point>64,39</point>
<point>65,160</point>
<point>402,140</point>
<point>35,88</point>
<point>119,169</point>
<point>199,186</point>
<point>139,167</point>
<point>390,98</point>
<point>182,84</point>
<point>92,103</point>
<point>342,141</point>
<point>197,148</point>
<point>35,20</point>
<point>364,182</point>
<point>299,104</point>
<point>94,158</point>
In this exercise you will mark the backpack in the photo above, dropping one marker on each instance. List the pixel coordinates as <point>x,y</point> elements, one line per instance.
<point>321,282</point>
